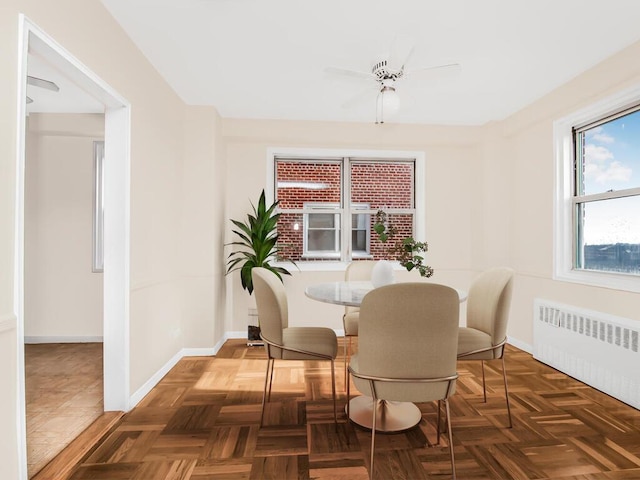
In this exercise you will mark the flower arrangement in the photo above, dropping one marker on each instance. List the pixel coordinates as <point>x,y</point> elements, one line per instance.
<point>407,251</point>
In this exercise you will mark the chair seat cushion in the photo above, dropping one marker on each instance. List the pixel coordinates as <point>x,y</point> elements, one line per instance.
<point>318,340</point>
<point>351,323</point>
<point>470,339</point>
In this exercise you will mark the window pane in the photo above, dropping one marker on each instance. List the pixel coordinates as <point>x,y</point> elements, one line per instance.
<point>359,241</point>
<point>322,220</point>
<point>382,184</point>
<point>609,156</point>
<point>359,221</point>
<point>359,233</point>
<point>322,241</point>
<point>298,183</point>
<point>610,233</point>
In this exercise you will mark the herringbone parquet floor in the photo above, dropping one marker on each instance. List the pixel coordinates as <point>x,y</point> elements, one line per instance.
<point>202,422</point>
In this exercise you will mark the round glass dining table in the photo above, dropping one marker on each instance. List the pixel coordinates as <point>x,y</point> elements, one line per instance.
<point>393,416</point>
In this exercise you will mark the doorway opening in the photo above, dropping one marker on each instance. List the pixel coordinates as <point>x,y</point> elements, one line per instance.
<point>115,289</point>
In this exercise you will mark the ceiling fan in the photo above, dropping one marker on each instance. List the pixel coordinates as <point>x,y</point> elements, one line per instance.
<point>39,82</point>
<point>386,74</point>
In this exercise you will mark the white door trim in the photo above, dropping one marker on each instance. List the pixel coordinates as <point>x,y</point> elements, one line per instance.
<point>117,229</point>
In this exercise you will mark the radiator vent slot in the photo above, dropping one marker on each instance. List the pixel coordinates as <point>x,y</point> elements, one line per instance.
<point>598,349</point>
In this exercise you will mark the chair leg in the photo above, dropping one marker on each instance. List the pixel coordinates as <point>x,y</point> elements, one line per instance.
<point>333,391</point>
<point>348,395</point>
<point>484,384</point>
<point>273,364</point>
<point>438,426</point>
<point>376,402</point>
<point>347,355</point>
<point>267,378</point>
<point>344,354</point>
<point>506,390</point>
<point>453,461</point>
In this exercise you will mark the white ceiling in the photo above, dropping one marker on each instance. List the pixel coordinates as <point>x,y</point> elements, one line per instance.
<point>266,58</point>
<point>69,99</point>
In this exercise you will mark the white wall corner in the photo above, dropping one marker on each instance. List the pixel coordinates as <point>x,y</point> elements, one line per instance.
<point>154,380</point>
<point>520,344</point>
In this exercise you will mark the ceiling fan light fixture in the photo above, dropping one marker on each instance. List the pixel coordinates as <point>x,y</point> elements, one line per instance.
<point>387,103</point>
<point>390,100</point>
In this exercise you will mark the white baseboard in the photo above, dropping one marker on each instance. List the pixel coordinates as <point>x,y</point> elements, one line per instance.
<point>153,381</point>
<point>228,335</point>
<point>62,339</point>
<point>185,352</point>
<point>199,352</point>
<point>519,344</point>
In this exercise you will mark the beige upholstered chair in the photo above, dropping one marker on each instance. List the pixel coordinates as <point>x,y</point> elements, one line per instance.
<point>407,347</point>
<point>485,334</point>
<point>284,342</point>
<point>358,271</point>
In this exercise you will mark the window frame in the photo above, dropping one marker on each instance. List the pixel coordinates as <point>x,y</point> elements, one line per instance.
<point>314,154</point>
<point>566,198</point>
<point>328,208</point>
<point>321,209</point>
<point>97,230</point>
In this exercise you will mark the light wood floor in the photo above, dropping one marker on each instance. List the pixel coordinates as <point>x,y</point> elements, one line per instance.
<point>63,388</point>
<point>202,422</point>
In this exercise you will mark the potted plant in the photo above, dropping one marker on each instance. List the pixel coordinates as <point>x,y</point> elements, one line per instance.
<point>258,242</point>
<point>407,251</point>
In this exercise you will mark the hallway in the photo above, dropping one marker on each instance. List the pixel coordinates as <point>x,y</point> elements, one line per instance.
<point>64,395</point>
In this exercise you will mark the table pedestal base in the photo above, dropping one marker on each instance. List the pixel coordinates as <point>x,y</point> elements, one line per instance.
<point>391,416</point>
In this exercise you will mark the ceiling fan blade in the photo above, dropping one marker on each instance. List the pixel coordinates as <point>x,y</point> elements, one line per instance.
<point>437,71</point>
<point>39,82</point>
<point>366,95</point>
<point>401,50</point>
<point>350,73</point>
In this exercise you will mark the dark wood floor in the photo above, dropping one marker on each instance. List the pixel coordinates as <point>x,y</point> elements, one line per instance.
<point>202,422</point>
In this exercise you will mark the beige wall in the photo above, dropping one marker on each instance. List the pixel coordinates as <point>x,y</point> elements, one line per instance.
<point>489,197</point>
<point>518,176</point>
<point>159,325</point>
<point>8,335</point>
<point>451,155</point>
<point>63,297</point>
<point>202,229</point>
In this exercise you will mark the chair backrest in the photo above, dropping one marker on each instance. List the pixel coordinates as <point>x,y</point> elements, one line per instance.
<point>271,301</point>
<point>489,301</point>
<point>359,270</point>
<point>409,331</point>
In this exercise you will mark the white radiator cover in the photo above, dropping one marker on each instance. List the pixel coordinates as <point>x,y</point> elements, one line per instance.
<point>596,348</point>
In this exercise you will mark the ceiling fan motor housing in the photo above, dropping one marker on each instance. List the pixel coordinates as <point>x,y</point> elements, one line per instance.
<point>382,73</point>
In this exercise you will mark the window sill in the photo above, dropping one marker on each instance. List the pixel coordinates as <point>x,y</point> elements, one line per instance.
<point>323,266</point>
<point>629,283</point>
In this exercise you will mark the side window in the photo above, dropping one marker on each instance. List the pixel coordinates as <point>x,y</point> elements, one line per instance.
<point>597,198</point>
<point>607,194</point>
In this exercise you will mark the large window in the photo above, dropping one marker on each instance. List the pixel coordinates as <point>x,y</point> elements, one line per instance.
<point>320,198</point>
<point>598,228</point>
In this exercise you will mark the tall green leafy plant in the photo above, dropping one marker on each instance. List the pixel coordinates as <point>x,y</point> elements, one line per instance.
<point>258,242</point>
